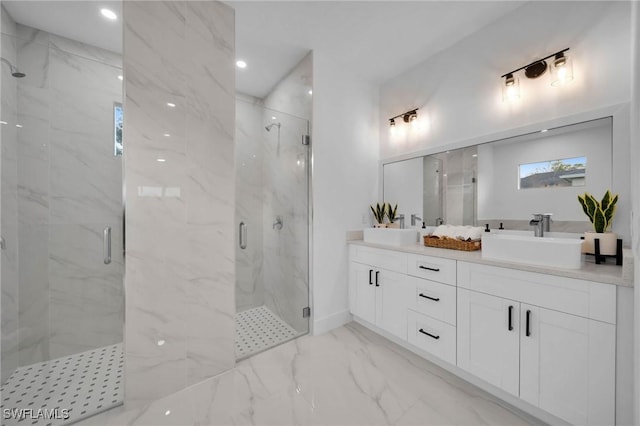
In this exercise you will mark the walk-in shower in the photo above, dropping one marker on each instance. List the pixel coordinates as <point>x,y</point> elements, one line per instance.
<point>61,221</point>
<point>272,215</point>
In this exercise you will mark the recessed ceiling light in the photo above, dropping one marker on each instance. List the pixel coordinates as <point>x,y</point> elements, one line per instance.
<point>166,135</point>
<point>166,413</point>
<point>544,130</point>
<point>310,92</point>
<point>120,78</point>
<point>171,105</point>
<point>241,64</point>
<point>160,342</point>
<point>19,126</point>
<point>474,155</point>
<point>161,160</point>
<point>3,122</point>
<point>109,14</point>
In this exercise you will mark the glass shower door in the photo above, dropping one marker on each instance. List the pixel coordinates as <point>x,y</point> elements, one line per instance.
<point>272,218</point>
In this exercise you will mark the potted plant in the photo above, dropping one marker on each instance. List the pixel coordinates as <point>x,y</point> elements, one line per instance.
<point>378,214</point>
<point>600,214</point>
<point>392,215</point>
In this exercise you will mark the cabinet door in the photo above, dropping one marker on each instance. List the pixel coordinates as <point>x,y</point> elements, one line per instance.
<point>567,365</point>
<point>393,296</point>
<point>488,338</point>
<point>362,293</point>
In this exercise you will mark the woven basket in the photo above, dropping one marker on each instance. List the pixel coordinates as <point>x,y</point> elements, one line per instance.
<point>452,243</point>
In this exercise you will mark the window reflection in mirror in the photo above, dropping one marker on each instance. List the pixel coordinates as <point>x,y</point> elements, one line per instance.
<point>553,174</point>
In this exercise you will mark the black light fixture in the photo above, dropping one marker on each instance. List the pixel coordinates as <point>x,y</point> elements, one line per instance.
<point>561,72</point>
<point>407,117</point>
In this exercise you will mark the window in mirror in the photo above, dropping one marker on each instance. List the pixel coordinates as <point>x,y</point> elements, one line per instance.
<point>117,129</point>
<point>567,172</point>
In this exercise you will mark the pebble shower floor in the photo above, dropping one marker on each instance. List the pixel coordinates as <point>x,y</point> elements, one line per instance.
<point>258,329</point>
<point>84,384</point>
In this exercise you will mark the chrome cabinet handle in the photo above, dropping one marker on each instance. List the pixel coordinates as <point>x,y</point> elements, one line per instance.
<point>243,235</point>
<point>106,245</point>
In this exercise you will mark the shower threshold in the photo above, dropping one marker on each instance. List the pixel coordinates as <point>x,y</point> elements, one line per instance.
<point>259,329</point>
<point>64,390</point>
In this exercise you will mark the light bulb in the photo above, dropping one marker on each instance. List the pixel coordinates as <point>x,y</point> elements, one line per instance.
<point>561,70</point>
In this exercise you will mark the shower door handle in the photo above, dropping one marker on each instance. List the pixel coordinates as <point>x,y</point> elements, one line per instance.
<point>243,235</point>
<point>106,245</point>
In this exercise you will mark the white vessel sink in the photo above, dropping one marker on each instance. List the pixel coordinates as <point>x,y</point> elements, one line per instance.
<point>391,236</point>
<point>554,252</point>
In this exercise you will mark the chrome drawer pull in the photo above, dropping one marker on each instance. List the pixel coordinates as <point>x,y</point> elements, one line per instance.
<point>429,269</point>
<point>429,334</point>
<point>435,299</point>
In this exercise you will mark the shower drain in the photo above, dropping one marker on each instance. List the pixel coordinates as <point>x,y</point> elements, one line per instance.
<point>258,329</point>
<point>64,390</point>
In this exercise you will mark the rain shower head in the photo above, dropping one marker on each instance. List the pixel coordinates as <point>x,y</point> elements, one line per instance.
<point>14,71</point>
<point>268,127</point>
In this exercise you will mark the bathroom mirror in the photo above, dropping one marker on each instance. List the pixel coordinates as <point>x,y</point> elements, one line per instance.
<point>507,179</point>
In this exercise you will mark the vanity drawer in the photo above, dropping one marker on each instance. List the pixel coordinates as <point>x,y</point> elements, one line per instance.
<point>440,340</point>
<point>434,299</point>
<point>385,259</point>
<point>432,268</point>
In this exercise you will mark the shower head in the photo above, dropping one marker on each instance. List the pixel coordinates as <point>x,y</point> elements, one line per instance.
<point>268,127</point>
<point>14,71</point>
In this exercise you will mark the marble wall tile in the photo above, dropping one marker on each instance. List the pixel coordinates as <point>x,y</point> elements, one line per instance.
<point>249,144</point>
<point>86,295</point>
<point>8,207</point>
<point>180,232</point>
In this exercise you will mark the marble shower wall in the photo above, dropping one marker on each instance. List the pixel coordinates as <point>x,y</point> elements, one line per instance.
<point>9,203</point>
<point>250,140</point>
<point>286,194</point>
<point>180,231</point>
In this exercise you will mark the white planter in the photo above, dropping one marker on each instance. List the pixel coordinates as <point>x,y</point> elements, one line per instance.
<point>608,242</point>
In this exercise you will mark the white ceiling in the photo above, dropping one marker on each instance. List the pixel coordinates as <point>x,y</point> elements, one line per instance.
<point>77,20</point>
<point>374,39</point>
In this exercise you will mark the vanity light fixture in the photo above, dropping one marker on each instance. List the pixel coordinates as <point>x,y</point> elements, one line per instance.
<point>561,70</point>
<point>408,117</point>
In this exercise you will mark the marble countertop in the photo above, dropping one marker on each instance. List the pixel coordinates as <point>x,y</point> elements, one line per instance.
<point>607,273</point>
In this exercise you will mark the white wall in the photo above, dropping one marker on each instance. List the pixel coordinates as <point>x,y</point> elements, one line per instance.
<point>345,180</point>
<point>403,185</point>
<point>458,90</point>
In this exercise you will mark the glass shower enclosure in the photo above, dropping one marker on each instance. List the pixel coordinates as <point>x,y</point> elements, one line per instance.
<point>272,220</point>
<point>61,220</point>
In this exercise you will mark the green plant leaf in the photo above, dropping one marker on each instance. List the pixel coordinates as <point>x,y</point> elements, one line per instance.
<point>604,204</point>
<point>583,203</point>
<point>392,212</point>
<point>599,221</point>
<point>610,211</point>
<point>592,205</point>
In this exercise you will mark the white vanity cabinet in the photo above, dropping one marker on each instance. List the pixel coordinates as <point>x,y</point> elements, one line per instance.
<point>548,340</point>
<point>557,354</point>
<point>378,288</point>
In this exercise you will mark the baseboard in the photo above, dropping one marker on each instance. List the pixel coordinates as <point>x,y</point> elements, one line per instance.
<point>322,325</point>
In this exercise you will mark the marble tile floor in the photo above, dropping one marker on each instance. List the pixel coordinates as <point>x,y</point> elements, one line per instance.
<point>349,376</point>
<point>69,388</point>
<point>258,329</point>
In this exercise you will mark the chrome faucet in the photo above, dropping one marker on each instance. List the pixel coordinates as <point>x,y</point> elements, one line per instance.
<point>400,218</point>
<point>439,221</point>
<point>541,223</point>
<point>415,217</point>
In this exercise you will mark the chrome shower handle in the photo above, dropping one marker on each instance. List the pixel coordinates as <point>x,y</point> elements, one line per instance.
<point>106,245</point>
<point>243,235</point>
